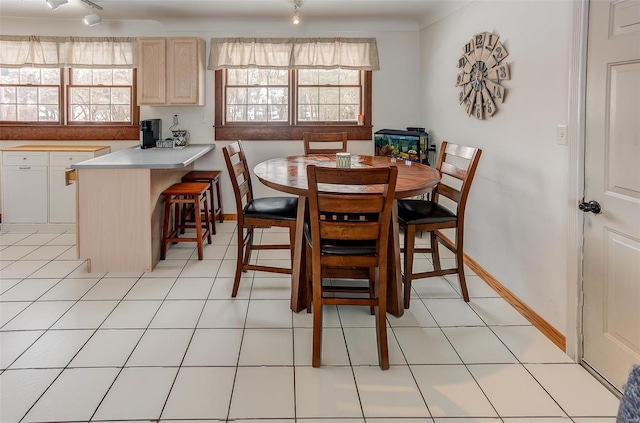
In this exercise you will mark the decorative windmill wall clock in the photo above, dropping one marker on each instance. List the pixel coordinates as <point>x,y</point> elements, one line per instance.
<point>483,70</point>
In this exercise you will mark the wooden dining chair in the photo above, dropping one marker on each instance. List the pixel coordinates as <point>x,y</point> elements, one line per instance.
<point>431,216</point>
<point>256,213</point>
<point>338,241</point>
<point>324,142</point>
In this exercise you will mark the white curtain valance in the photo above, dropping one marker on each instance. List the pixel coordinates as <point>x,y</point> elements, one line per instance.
<point>57,52</point>
<point>294,53</point>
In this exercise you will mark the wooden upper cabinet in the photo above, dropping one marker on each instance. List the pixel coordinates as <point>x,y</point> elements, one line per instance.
<point>171,71</point>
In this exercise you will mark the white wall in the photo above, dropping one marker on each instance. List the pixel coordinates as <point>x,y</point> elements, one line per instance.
<point>395,85</point>
<point>516,215</point>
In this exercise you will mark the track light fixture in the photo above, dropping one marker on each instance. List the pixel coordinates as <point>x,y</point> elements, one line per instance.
<point>54,4</point>
<point>91,4</point>
<point>296,15</point>
<point>92,19</point>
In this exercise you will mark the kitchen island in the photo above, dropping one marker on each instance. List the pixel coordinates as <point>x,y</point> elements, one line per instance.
<point>119,210</point>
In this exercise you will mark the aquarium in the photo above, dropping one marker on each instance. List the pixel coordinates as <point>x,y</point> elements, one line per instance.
<point>412,144</point>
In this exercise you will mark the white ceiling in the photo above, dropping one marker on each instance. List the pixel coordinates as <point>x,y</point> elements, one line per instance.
<point>422,12</point>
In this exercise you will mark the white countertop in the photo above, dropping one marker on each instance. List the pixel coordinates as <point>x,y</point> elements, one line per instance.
<point>150,158</point>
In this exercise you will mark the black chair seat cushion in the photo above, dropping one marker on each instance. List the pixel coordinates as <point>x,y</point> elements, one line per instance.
<point>281,208</point>
<point>342,248</point>
<point>417,212</point>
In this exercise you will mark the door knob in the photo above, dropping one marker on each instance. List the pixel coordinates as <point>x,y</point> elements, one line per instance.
<point>592,206</point>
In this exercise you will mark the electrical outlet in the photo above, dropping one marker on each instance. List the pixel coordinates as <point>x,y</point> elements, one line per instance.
<point>561,134</point>
<point>203,118</point>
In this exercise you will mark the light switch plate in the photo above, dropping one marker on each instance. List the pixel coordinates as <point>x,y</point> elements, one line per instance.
<point>561,134</point>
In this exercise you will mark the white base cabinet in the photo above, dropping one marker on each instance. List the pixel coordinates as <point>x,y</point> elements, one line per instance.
<point>34,189</point>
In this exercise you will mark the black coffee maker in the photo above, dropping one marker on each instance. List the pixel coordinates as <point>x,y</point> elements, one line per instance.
<point>150,130</point>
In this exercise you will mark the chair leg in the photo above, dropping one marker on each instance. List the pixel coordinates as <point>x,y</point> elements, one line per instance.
<point>198,219</point>
<point>239,261</point>
<point>165,228</point>
<point>460,264</point>
<point>381,319</point>
<point>372,289</point>
<point>207,219</point>
<point>213,208</point>
<point>309,270</point>
<point>409,246</point>
<point>247,246</point>
<point>435,252</point>
<point>317,310</point>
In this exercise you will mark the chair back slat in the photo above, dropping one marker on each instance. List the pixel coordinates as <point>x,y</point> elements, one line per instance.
<point>460,151</point>
<point>350,231</point>
<point>339,204</point>
<point>449,192</point>
<point>324,142</point>
<point>451,170</point>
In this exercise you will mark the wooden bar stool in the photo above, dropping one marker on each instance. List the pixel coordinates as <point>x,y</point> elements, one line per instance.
<point>184,194</point>
<point>213,178</point>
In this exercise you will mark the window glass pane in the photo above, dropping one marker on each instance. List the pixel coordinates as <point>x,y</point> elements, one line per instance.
<point>279,113</point>
<point>102,77</point>
<point>236,113</point>
<point>278,96</point>
<point>256,113</point>
<point>27,95</point>
<point>50,76</point>
<point>329,113</point>
<point>121,96</point>
<point>257,96</point>
<point>236,77</point>
<point>278,77</point>
<point>120,113</point>
<point>48,95</point>
<point>82,76</point>
<point>122,77</point>
<point>308,96</point>
<point>101,113</point>
<point>8,112</point>
<point>308,113</point>
<point>349,113</point>
<point>349,77</point>
<point>329,96</point>
<point>308,77</point>
<point>48,113</point>
<point>27,113</point>
<point>9,76</point>
<point>30,76</point>
<point>350,95</point>
<point>236,95</point>
<point>80,113</point>
<point>8,95</point>
<point>253,76</point>
<point>329,77</point>
<point>100,96</point>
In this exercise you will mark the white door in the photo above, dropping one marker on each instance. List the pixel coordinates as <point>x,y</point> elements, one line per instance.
<point>611,267</point>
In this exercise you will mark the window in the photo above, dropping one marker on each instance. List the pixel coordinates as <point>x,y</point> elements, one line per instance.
<point>60,101</point>
<point>30,95</point>
<point>329,95</point>
<point>272,104</point>
<point>100,95</point>
<point>257,95</point>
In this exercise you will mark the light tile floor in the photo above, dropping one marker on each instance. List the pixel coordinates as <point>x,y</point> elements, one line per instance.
<point>171,345</point>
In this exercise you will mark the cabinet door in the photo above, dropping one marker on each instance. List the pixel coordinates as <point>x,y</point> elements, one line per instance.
<point>25,194</point>
<point>151,71</point>
<point>185,71</point>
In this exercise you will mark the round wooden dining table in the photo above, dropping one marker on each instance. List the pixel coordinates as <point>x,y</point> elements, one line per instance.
<point>289,174</point>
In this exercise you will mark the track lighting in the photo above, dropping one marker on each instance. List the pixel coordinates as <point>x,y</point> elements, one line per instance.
<point>92,19</point>
<point>296,14</point>
<point>54,4</point>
